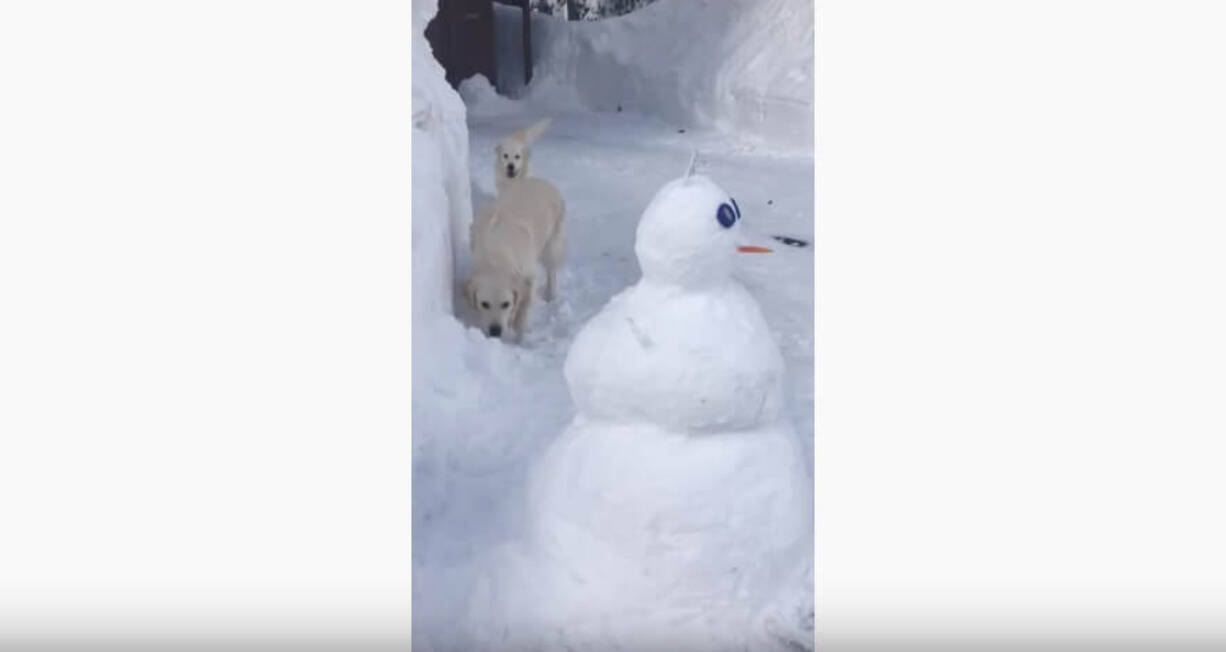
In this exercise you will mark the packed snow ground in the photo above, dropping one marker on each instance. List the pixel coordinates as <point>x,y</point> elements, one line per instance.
<point>476,435</point>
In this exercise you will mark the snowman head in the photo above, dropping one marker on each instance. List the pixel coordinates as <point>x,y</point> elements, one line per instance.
<point>689,234</point>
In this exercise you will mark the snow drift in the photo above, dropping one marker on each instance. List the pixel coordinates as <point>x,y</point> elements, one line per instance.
<point>442,212</point>
<point>442,199</point>
<point>737,66</point>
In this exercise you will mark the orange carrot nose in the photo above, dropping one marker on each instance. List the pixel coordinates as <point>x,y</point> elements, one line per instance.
<point>753,249</point>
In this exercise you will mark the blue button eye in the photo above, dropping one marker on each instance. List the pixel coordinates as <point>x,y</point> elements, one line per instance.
<point>738,208</point>
<point>726,216</point>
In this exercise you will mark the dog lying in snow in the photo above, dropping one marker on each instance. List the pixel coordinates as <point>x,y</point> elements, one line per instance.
<point>513,154</point>
<point>509,236</point>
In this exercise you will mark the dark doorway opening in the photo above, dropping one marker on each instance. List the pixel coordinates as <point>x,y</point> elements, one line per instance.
<point>462,38</point>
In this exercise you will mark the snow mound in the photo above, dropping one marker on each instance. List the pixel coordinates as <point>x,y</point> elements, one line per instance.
<point>447,361</point>
<point>482,99</point>
<point>658,528</point>
<point>744,67</point>
<point>442,197</point>
<point>442,212</point>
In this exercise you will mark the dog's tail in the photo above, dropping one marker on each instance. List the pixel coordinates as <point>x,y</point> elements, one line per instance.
<point>531,133</point>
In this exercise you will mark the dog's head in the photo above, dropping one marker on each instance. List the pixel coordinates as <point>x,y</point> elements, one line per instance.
<point>511,159</point>
<point>512,155</point>
<point>494,299</point>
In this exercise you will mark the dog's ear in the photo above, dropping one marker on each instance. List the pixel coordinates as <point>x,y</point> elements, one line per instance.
<point>523,286</point>
<point>470,293</point>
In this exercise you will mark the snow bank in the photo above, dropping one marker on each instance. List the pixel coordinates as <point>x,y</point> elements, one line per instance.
<point>737,66</point>
<point>466,444</point>
<point>442,210</point>
<point>482,99</point>
<point>442,200</point>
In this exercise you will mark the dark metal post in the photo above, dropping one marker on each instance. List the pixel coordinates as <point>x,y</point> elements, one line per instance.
<point>527,41</point>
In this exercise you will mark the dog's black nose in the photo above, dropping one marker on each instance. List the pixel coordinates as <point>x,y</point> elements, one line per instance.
<point>511,171</point>
<point>495,330</point>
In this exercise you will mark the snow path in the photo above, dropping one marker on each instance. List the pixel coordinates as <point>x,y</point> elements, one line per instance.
<point>472,450</point>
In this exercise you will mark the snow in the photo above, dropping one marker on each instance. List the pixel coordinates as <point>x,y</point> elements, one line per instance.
<point>686,347</point>
<point>630,360</point>
<point>490,412</point>
<point>482,98</point>
<point>680,238</point>
<point>665,536</point>
<point>676,506</point>
<point>486,413</point>
<point>442,204</point>
<point>739,67</point>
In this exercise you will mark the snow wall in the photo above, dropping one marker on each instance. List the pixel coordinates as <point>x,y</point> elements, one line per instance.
<point>741,66</point>
<point>442,212</point>
<point>442,199</point>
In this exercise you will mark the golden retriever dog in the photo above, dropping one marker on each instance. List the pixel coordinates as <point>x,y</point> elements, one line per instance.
<point>510,235</point>
<point>513,154</point>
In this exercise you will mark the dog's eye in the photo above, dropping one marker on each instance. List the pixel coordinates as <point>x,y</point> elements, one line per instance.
<point>506,304</point>
<point>517,157</point>
<point>485,304</point>
<point>726,216</point>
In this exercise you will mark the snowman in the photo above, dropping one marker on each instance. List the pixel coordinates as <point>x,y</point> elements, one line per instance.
<point>677,503</point>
